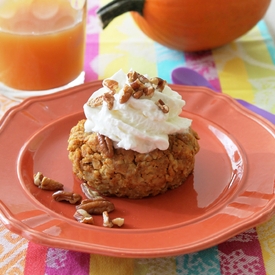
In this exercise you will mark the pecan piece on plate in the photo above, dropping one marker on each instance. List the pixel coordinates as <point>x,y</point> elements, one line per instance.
<point>96,206</point>
<point>70,197</point>
<point>46,183</point>
<point>89,192</point>
<point>106,220</point>
<point>118,221</point>
<point>83,216</point>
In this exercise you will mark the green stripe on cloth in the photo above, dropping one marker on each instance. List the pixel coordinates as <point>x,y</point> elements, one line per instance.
<point>204,262</point>
<point>268,39</point>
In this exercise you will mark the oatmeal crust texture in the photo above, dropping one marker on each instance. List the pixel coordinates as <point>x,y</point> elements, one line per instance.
<point>126,173</point>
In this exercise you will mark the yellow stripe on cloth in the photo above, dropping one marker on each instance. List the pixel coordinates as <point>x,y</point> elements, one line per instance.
<point>266,235</point>
<point>105,265</point>
<point>245,68</point>
<point>232,72</point>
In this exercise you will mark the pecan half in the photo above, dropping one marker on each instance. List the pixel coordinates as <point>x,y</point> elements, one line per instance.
<point>70,197</point>
<point>105,145</point>
<point>96,206</point>
<point>109,99</point>
<point>90,193</point>
<point>164,108</point>
<point>83,216</point>
<point>111,84</point>
<point>46,183</point>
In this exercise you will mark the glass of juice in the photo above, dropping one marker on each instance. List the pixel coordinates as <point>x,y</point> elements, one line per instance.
<point>42,45</point>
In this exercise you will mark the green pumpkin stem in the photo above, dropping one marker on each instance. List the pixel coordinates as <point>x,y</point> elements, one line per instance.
<point>117,7</point>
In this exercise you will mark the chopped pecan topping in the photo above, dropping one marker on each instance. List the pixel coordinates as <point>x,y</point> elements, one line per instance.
<point>95,102</point>
<point>46,183</point>
<point>132,76</point>
<point>127,92</point>
<point>137,85</point>
<point>111,84</point>
<point>154,80</point>
<point>159,83</point>
<point>138,94</point>
<point>70,197</point>
<point>164,108</point>
<point>90,193</point>
<point>149,91</point>
<point>106,220</point>
<point>143,86</point>
<point>143,79</point>
<point>83,216</point>
<point>105,146</point>
<point>109,99</point>
<point>96,206</point>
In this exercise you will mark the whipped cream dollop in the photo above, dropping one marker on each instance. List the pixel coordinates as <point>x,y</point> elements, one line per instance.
<point>141,122</point>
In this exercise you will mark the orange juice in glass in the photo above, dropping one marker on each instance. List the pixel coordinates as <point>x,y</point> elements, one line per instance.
<point>42,43</point>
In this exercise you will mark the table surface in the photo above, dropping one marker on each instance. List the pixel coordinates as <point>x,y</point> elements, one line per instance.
<point>243,69</point>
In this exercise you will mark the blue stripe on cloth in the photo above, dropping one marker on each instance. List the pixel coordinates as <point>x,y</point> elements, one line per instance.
<point>205,262</point>
<point>267,39</point>
<point>167,60</point>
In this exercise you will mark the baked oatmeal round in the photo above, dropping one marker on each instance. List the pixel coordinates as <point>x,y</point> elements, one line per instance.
<point>127,173</point>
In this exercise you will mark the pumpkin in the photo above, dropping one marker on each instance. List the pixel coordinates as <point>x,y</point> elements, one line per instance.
<point>189,25</point>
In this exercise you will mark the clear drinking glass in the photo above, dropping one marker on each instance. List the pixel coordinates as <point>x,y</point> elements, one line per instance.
<point>42,45</point>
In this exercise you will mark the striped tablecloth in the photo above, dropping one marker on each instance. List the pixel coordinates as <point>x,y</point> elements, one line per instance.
<point>243,69</point>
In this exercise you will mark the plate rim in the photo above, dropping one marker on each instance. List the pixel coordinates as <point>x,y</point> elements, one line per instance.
<point>17,227</point>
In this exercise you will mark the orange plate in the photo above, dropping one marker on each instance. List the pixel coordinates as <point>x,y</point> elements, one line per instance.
<point>232,188</point>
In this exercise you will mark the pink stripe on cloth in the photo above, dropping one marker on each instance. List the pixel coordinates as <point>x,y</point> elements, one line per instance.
<point>35,259</point>
<point>204,64</point>
<point>247,259</point>
<point>64,262</point>
<point>92,44</point>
